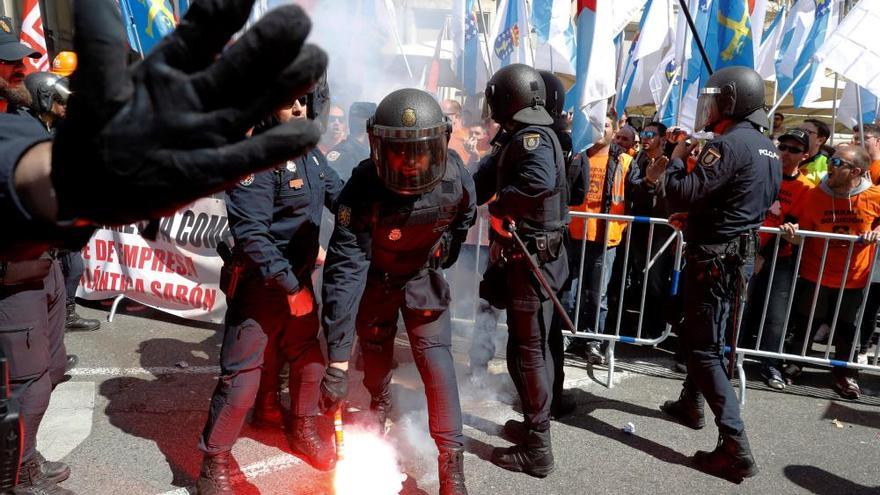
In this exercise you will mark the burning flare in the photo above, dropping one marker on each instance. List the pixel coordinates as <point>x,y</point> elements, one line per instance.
<point>367,463</point>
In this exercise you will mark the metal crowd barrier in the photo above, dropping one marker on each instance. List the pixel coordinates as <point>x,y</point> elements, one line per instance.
<point>674,241</point>
<point>804,356</point>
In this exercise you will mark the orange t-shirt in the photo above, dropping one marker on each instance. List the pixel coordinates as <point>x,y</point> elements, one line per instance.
<point>820,212</point>
<point>791,193</point>
<point>874,169</point>
<point>593,202</point>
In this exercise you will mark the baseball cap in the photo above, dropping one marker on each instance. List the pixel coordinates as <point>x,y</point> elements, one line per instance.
<point>10,48</point>
<point>797,135</point>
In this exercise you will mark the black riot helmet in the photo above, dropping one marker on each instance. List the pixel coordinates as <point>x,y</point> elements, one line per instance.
<point>408,141</point>
<point>555,102</point>
<point>517,93</point>
<point>734,92</point>
<point>46,88</point>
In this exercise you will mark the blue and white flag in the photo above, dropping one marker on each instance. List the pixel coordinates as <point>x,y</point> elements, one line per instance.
<point>510,35</point>
<point>468,58</point>
<point>556,41</point>
<point>765,62</point>
<point>595,72</point>
<point>852,49</point>
<point>809,24</point>
<point>655,35</point>
<point>848,112</point>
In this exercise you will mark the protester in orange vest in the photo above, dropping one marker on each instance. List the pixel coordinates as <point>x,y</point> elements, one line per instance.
<point>794,148</point>
<point>845,202</point>
<point>608,167</point>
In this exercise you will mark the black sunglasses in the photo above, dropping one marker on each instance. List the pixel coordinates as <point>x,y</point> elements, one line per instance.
<point>790,148</point>
<point>648,134</point>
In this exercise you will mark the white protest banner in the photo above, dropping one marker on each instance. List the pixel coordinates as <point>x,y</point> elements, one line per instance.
<point>178,273</point>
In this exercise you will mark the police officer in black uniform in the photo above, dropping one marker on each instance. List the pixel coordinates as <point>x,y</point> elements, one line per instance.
<point>356,146</point>
<point>736,179</point>
<point>402,216</point>
<point>274,217</point>
<point>528,181</point>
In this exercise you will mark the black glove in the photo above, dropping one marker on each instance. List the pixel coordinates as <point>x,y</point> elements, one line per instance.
<point>334,388</point>
<point>143,141</point>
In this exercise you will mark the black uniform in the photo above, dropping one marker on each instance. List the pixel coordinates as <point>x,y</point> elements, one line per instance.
<point>736,179</point>
<point>275,219</point>
<point>528,182</point>
<point>383,260</point>
<point>345,156</point>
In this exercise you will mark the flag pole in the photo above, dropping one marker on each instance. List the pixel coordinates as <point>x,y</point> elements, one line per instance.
<point>775,99</point>
<point>834,109</point>
<point>690,21</point>
<point>681,80</point>
<point>670,88</point>
<point>397,40</point>
<point>485,38</point>
<point>861,117</point>
<point>791,87</point>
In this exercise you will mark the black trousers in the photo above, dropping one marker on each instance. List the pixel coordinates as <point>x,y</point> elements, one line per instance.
<point>255,316</point>
<point>72,265</point>
<point>780,293</point>
<point>429,329</point>
<point>710,289</point>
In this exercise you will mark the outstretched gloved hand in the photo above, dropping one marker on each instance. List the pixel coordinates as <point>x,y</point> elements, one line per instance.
<point>142,141</point>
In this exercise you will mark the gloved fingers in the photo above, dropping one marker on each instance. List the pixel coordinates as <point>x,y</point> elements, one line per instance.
<point>211,170</point>
<point>296,79</point>
<point>202,34</point>
<point>101,83</point>
<point>264,51</point>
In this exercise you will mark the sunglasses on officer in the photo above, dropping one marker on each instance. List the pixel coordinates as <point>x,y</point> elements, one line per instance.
<point>789,148</point>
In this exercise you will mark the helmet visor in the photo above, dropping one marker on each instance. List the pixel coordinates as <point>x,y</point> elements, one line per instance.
<point>410,161</point>
<point>707,108</point>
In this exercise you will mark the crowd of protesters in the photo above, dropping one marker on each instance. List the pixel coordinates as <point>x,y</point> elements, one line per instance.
<point>825,189</point>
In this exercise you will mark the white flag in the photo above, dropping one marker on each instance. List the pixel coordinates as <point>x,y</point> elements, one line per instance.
<point>848,108</point>
<point>852,48</point>
<point>658,30</point>
<point>768,49</point>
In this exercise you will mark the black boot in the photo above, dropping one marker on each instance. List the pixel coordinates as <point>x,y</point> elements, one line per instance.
<point>55,472</point>
<point>267,412</point>
<point>732,459</point>
<point>214,476</point>
<point>688,409</point>
<point>305,440</point>
<point>381,407</point>
<point>32,481</point>
<point>450,464</point>
<point>76,323</point>
<point>514,431</point>
<point>534,456</point>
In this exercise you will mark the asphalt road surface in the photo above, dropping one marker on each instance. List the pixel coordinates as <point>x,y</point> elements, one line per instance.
<point>128,422</point>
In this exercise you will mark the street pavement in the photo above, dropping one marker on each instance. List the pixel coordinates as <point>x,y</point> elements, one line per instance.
<point>128,422</point>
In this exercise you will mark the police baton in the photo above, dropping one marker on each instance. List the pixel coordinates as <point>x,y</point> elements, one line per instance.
<point>533,265</point>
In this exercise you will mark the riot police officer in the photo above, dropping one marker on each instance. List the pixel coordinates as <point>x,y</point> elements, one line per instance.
<point>274,217</point>
<point>355,147</point>
<point>402,216</point>
<point>736,179</point>
<point>49,93</point>
<point>527,179</point>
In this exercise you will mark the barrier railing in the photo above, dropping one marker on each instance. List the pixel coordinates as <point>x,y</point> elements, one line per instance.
<point>795,282</point>
<point>674,240</point>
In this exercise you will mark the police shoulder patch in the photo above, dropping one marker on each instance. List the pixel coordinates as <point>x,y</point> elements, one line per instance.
<point>343,216</point>
<point>710,156</point>
<point>246,181</point>
<point>531,140</point>
<point>332,156</point>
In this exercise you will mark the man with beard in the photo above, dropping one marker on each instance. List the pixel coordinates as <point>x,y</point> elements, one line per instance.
<point>15,96</point>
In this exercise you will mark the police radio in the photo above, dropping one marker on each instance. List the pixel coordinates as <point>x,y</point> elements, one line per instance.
<point>11,437</point>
